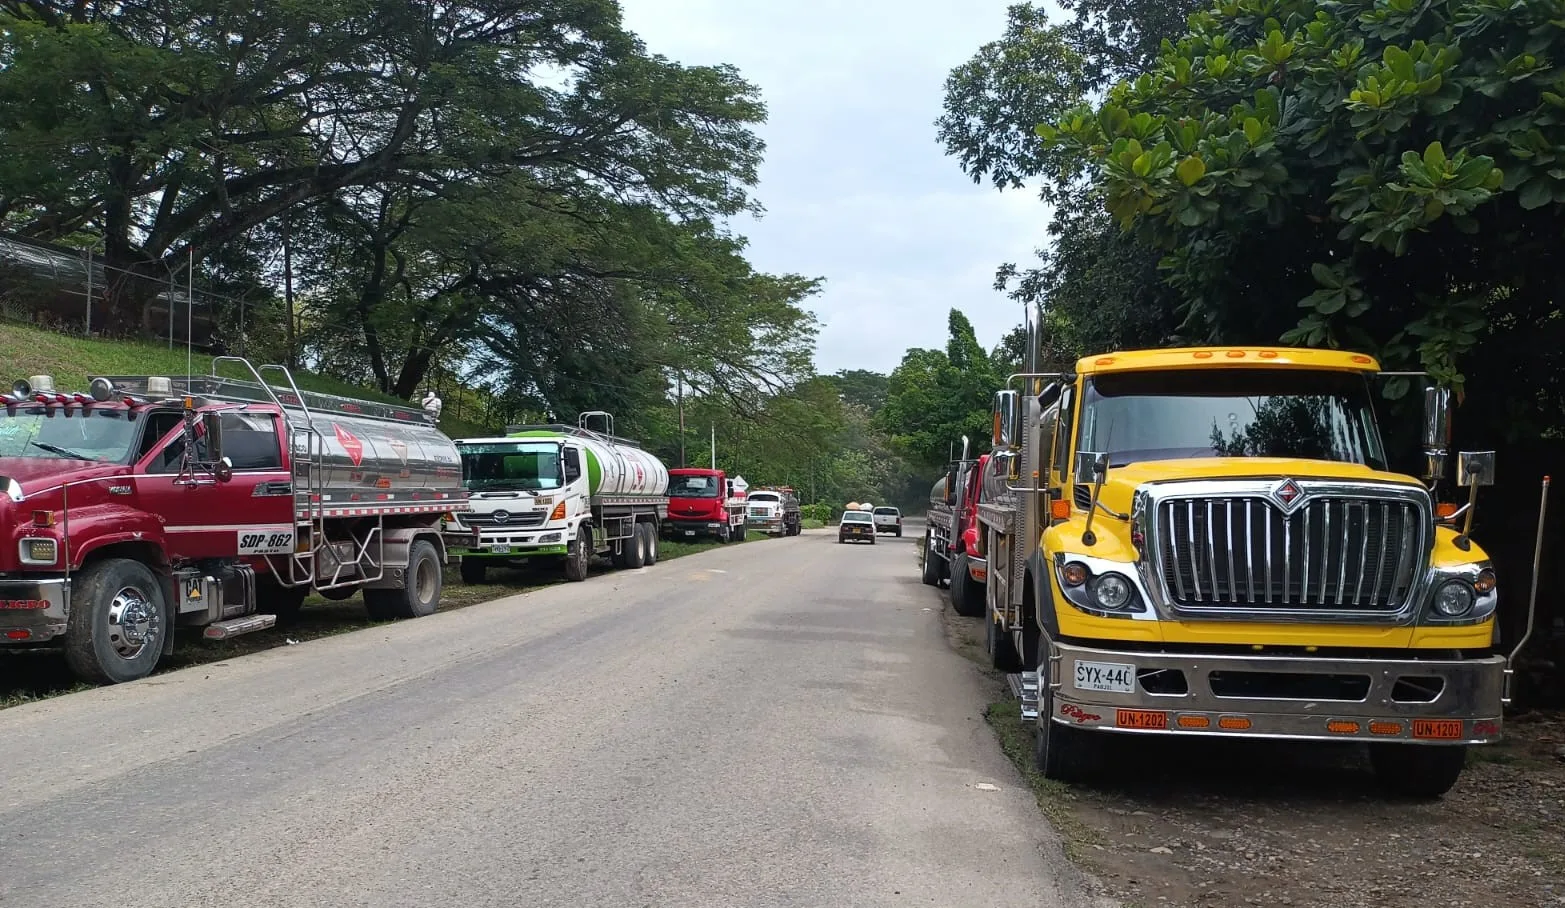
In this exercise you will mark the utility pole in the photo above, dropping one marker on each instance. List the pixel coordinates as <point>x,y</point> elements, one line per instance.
<point>681,419</point>
<point>714,445</point>
<point>293,356</point>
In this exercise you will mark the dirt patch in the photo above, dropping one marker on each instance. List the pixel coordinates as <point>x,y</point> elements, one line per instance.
<point>1210,824</point>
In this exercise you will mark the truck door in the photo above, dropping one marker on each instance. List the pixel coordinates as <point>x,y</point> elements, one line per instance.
<point>250,515</point>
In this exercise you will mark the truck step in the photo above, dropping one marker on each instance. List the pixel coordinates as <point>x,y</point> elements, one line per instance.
<point>1025,687</point>
<point>233,627</point>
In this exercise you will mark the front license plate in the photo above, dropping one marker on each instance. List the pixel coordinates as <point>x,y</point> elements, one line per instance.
<point>1140,718</point>
<point>1438,729</point>
<point>690,532</point>
<point>500,549</point>
<point>1110,677</point>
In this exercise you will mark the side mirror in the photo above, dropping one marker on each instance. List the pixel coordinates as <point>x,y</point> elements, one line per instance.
<point>1437,431</point>
<point>1089,464</point>
<point>1475,468</point>
<point>212,437</point>
<point>1007,418</point>
<point>950,486</point>
<point>224,471</point>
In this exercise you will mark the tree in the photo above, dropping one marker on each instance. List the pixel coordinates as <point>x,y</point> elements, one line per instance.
<point>1091,277</point>
<point>399,125</point>
<point>934,397</point>
<point>1350,174</point>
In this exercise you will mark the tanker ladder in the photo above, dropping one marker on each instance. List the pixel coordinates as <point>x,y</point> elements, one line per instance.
<point>307,454</point>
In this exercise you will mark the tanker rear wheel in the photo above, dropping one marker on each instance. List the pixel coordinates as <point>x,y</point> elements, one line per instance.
<point>286,602</point>
<point>649,539</point>
<point>420,592</point>
<point>931,575</point>
<point>632,552</point>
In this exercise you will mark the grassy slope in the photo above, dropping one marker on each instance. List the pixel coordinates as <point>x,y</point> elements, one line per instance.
<point>28,351</point>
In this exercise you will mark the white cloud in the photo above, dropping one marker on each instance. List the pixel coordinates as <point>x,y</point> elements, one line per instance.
<point>856,187</point>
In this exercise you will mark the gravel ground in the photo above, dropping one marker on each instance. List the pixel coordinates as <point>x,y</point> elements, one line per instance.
<point>1210,824</point>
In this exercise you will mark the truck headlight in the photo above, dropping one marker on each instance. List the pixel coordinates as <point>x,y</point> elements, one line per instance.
<point>1112,591</point>
<point>1453,599</point>
<point>39,550</point>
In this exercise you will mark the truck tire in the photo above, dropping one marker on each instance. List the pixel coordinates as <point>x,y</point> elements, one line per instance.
<point>286,602</point>
<point>578,560</point>
<point>931,575</point>
<point>724,535</point>
<point>420,593</point>
<point>338,594</point>
<point>1423,771</point>
<point>1002,649</point>
<point>739,533</point>
<point>649,535</point>
<point>1060,752</point>
<point>967,597</point>
<point>633,551</point>
<point>118,624</point>
<point>473,570</point>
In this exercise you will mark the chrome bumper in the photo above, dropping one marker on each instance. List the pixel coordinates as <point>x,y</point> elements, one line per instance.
<point>33,611</point>
<point>1466,709</point>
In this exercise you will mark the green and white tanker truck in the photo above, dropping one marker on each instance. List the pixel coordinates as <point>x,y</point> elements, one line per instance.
<point>562,494</point>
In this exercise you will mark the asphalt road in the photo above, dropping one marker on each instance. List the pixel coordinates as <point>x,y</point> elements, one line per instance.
<point>774,724</point>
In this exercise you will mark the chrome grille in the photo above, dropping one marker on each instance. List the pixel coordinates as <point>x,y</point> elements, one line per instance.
<point>1330,554</point>
<point>513,520</point>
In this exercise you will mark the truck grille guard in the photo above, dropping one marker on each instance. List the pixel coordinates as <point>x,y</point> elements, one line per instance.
<point>1285,549</point>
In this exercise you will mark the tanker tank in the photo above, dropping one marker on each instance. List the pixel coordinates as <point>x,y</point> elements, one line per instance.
<point>614,469</point>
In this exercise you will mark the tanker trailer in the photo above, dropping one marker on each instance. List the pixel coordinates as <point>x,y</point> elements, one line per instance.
<point>561,494</point>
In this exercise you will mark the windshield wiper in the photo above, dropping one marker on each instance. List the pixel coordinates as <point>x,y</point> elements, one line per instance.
<point>63,452</point>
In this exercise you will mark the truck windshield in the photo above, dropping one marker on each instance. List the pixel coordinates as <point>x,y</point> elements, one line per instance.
<point>764,498</point>
<point>1316,415</point>
<point>693,487</point>
<point>527,467</point>
<point>101,435</point>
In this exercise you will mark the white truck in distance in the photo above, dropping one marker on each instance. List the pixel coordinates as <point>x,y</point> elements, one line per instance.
<point>562,494</point>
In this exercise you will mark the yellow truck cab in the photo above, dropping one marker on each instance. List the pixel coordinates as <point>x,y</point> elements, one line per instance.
<point>1210,541</point>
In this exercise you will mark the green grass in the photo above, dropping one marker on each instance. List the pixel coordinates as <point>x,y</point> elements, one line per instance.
<point>72,361</point>
<point>29,678</point>
<point>810,523</point>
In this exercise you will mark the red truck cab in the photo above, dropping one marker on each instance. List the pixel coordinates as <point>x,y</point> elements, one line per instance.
<point>703,502</point>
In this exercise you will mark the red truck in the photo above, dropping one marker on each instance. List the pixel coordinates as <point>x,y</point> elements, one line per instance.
<point>154,504</point>
<point>969,569</point>
<point>703,502</point>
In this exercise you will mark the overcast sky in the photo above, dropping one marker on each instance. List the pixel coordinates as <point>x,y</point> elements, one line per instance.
<point>856,189</point>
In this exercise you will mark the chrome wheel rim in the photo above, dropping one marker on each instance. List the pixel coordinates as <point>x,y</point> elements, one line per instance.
<point>134,623</point>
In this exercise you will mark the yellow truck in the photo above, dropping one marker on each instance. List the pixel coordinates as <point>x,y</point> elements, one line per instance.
<point>1210,541</point>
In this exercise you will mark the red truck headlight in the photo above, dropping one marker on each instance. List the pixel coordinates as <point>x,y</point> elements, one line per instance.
<point>38,550</point>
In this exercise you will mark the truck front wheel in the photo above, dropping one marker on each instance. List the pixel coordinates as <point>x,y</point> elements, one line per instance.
<point>1423,771</point>
<point>967,597</point>
<point>118,622</point>
<point>579,558</point>
<point>420,592</point>
<point>1061,752</point>
<point>473,570</point>
<point>739,533</point>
